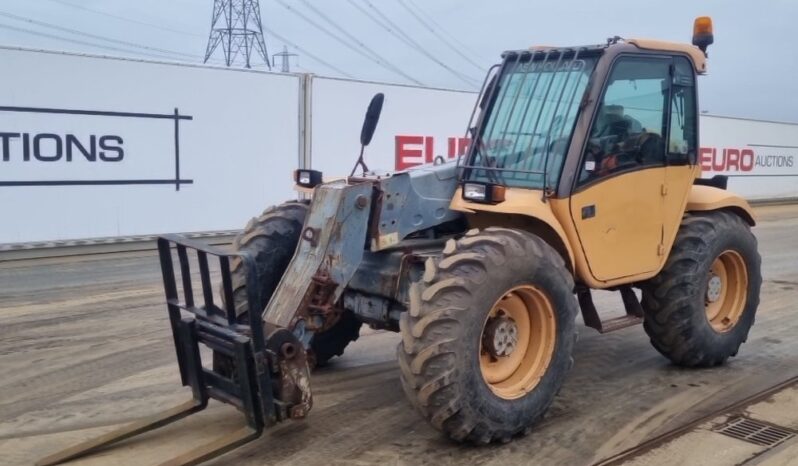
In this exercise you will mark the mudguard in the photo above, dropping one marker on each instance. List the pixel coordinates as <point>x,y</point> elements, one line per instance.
<point>526,203</point>
<point>707,198</point>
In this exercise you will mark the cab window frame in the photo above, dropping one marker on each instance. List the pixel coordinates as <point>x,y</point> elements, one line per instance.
<point>579,184</point>
<point>690,157</point>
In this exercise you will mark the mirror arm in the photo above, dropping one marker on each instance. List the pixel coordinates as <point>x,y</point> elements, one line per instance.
<point>360,163</point>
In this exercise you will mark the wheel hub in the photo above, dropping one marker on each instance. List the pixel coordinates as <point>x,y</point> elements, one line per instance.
<point>714,288</point>
<point>517,341</point>
<point>726,293</point>
<point>501,336</point>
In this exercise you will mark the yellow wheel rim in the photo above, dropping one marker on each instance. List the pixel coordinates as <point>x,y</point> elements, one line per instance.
<point>727,291</point>
<point>517,342</point>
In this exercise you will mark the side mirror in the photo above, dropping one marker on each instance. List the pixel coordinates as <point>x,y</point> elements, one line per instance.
<point>372,117</point>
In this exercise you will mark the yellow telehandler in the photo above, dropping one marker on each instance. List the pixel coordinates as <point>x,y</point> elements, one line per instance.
<point>581,175</point>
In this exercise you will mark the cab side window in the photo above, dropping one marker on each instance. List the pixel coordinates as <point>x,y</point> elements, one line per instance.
<point>630,127</point>
<point>683,140</point>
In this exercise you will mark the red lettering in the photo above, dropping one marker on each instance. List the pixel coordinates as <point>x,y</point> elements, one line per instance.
<point>747,164</point>
<point>732,159</point>
<point>429,149</point>
<point>405,156</point>
<point>462,145</point>
<point>411,151</point>
<point>718,167</point>
<point>705,158</point>
<point>729,159</point>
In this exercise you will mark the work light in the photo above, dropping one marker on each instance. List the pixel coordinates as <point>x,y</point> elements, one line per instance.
<point>481,192</point>
<point>474,192</point>
<point>307,178</point>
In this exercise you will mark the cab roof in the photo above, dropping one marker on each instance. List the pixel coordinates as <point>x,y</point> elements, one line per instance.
<point>697,57</point>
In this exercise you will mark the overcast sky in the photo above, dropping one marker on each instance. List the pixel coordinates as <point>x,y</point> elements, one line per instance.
<point>753,65</point>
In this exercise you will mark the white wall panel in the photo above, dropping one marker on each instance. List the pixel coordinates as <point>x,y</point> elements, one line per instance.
<point>760,157</point>
<point>236,152</point>
<point>238,135</point>
<point>416,124</point>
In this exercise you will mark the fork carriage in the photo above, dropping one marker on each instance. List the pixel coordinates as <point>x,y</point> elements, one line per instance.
<point>253,386</point>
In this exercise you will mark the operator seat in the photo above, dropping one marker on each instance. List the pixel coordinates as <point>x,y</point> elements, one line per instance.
<point>611,122</point>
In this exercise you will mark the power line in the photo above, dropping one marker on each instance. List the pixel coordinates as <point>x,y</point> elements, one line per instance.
<point>81,42</point>
<point>380,23</point>
<point>369,15</point>
<point>408,39</point>
<point>129,20</point>
<point>305,52</point>
<point>438,27</point>
<point>432,30</point>
<point>394,30</point>
<point>338,38</point>
<point>122,18</point>
<point>159,56</point>
<point>363,46</point>
<point>95,36</point>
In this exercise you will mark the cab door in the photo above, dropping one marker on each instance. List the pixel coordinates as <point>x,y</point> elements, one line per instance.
<point>618,202</point>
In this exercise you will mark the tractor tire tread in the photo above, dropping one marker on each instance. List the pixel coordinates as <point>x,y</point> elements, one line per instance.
<point>441,304</point>
<point>673,300</point>
<point>272,238</point>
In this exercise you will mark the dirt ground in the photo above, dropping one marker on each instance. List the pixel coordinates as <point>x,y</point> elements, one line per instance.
<point>85,345</point>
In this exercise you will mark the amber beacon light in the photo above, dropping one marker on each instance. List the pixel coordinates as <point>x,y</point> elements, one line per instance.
<point>702,33</point>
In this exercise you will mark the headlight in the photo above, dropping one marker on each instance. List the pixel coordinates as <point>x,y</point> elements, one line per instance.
<point>488,193</point>
<point>307,178</point>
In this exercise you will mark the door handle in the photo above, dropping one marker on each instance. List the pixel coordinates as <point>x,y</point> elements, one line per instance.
<point>588,211</point>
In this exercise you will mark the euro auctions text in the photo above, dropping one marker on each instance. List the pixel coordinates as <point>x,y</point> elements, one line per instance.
<point>414,150</point>
<point>742,160</point>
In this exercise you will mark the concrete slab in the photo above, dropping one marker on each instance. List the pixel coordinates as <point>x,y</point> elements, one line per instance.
<point>85,346</point>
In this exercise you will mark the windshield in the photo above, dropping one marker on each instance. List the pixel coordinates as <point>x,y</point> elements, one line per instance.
<point>529,121</point>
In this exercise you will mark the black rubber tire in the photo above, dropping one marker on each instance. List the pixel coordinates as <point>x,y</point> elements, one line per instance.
<point>329,344</point>
<point>439,352</point>
<point>272,239</point>
<point>673,301</point>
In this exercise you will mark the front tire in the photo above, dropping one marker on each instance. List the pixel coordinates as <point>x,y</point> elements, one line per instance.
<point>488,338</point>
<point>701,306</point>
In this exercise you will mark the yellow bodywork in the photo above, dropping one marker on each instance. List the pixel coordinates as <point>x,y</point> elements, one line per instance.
<point>522,208</point>
<point>618,229</point>
<point>698,57</point>
<point>704,198</point>
<point>636,218</point>
<point>635,222</point>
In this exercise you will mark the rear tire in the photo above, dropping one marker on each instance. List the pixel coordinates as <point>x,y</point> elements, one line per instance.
<point>272,239</point>
<point>446,370</point>
<point>701,306</point>
<point>329,344</point>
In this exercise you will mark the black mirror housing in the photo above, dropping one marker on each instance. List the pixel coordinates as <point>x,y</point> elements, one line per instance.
<point>372,117</point>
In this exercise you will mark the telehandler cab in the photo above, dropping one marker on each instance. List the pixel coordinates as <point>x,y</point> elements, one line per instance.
<point>581,175</point>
